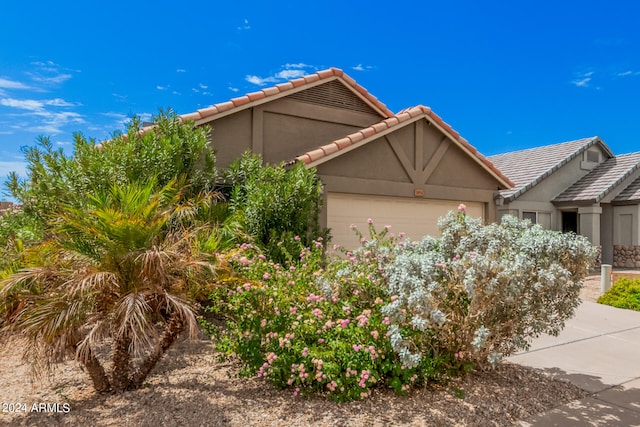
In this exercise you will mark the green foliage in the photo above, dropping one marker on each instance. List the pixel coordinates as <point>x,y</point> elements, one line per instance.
<point>317,329</point>
<point>625,293</point>
<point>169,150</point>
<point>119,266</point>
<point>275,203</point>
<point>17,231</point>
<point>480,292</point>
<point>397,313</point>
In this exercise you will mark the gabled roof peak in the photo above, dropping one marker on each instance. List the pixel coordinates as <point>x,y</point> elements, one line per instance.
<point>205,115</point>
<point>402,118</point>
<point>528,167</point>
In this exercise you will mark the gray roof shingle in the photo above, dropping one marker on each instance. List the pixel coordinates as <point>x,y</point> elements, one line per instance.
<point>526,168</point>
<point>602,180</point>
<point>631,193</point>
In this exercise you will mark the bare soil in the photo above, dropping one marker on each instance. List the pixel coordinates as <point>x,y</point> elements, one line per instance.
<point>191,387</point>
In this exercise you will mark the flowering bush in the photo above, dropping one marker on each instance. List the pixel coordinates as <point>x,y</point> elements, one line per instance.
<point>317,329</point>
<point>480,292</point>
<point>399,313</point>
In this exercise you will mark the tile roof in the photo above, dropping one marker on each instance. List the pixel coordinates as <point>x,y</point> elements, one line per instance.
<point>602,180</point>
<point>527,168</point>
<point>631,193</point>
<point>404,117</point>
<point>255,98</point>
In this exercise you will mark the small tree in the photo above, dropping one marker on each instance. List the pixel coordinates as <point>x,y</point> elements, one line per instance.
<point>168,150</point>
<point>117,268</point>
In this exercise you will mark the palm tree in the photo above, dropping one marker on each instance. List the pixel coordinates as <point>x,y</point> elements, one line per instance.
<point>119,270</point>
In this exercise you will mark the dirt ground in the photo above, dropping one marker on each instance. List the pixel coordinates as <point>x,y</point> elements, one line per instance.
<point>191,387</point>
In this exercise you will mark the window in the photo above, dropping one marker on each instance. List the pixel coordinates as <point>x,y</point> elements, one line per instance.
<point>531,216</point>
<point>542,218</point>
<point>593,156</point>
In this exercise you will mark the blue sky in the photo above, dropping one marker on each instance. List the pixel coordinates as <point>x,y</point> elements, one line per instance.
<point>506,75</point>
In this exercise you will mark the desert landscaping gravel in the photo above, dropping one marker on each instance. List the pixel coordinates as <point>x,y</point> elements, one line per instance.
<point>191,387</point>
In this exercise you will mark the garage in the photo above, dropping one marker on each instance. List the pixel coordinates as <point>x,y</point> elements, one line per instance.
<point>414,217</point>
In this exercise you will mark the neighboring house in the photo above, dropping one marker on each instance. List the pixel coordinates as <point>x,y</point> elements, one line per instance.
<point>404,170</point>
<point>578,186</point>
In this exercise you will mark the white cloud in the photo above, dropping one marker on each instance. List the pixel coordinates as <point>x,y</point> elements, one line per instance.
<point>298,65</point>
<point>260,81</point>
<point>175,92</point>
<point>245,25</point>
<point>24,104</point>
<point>162,87</point>
<point>203,86</point>
<point>290,74</point>
<point>233,89</point>
<point>287,72</point>
<point>33,104</point>
<point>57,79</point>
<point>10,84</point>
<point>181,70</point>
<point>361,67</point>
<point>628,73</point>
<point>583,79</point>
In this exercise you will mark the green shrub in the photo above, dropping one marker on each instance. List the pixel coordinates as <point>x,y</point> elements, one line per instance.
<point>625,293</point>
<point>170,150</point>
<point>315,329</point>
<point>480,292</point>
<point>276,203</point>
<point>399,313</point>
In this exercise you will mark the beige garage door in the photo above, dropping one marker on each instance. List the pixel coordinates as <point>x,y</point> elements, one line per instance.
<point>414,217</point>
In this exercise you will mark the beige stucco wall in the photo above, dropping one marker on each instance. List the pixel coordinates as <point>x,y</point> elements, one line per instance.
<point>377,168</point>
<point>622,235</point>
<point>283,129</point>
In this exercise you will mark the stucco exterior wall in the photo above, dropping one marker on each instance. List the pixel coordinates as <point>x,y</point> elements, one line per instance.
<point>626,225</point>
<point>397,164</point>
<point>283,129</point>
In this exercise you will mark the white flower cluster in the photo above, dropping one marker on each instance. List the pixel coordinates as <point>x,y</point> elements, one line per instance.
<point>483,290</point>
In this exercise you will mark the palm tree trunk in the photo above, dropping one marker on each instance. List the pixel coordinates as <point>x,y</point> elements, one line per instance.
<point>96,373</point>
<point>170,334</point>
<point>121,357</point>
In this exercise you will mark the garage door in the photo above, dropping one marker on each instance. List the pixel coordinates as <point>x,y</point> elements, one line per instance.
<point>414,217</point>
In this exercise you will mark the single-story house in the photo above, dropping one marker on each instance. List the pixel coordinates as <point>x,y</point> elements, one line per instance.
<point>578,186</point>
<point>404,169</point>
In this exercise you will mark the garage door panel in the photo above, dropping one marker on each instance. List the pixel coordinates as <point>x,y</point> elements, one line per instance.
<point>415,217</point>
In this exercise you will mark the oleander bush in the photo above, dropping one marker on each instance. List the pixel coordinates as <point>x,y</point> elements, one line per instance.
<point>275,203</point>
<point>397,313</point>
<point>625,293</point>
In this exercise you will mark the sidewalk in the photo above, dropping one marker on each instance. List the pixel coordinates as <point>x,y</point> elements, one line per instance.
<point>599,351</point>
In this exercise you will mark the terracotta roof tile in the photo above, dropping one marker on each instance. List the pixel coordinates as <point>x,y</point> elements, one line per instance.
<point>527,168</point>
<point>329,148</point>
<point>327,73</point>
<point>298,82</point>
<point>240,100</point>
<point>254,96</point>
<point>395,121</point>
<point>245,100</point>
<point>312,78</point>
<point>342,143</point>
<point>316,154</point>
<point>209,111</point>
<point>282,87</point>
<point>270,91</point>
<point>224,106</point>
<point>190,116</point>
